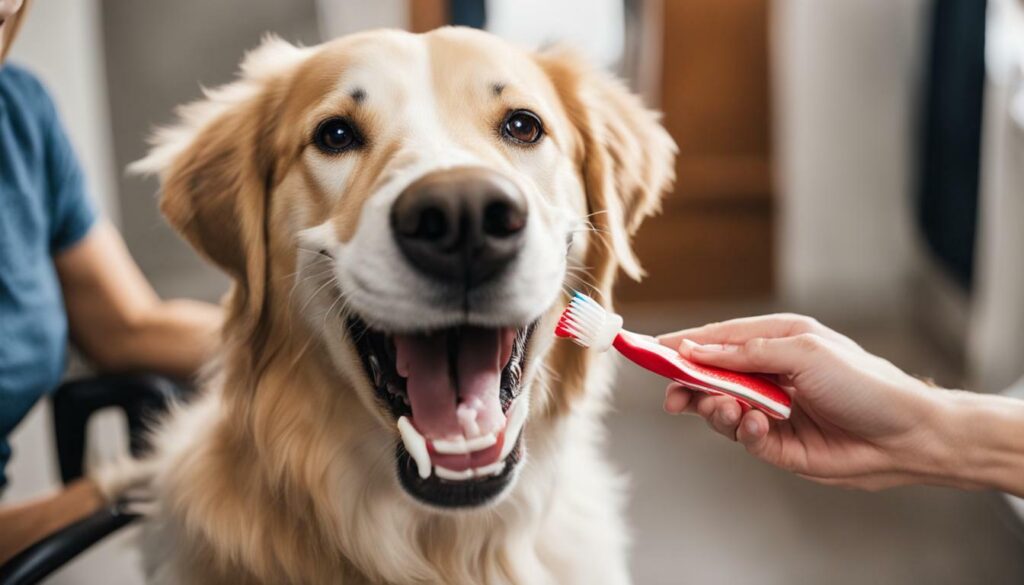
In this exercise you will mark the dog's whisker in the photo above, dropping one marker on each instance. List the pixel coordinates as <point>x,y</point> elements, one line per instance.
<point>304,269</point>
<point>340,297</point>
<point>303,280</point>
<point>579,282</point>
<point>317,292</point>
<point>589,227</point>
<point>317,251</point>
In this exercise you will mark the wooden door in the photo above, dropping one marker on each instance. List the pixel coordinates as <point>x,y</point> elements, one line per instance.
<point>714,238</point>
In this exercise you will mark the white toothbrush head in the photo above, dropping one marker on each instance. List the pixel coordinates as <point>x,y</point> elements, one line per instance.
<point>588,323</point>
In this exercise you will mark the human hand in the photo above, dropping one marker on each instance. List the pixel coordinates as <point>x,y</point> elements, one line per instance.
<point>857,419</point>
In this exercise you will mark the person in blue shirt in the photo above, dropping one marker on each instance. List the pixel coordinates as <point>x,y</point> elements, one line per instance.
<point>65,273</point>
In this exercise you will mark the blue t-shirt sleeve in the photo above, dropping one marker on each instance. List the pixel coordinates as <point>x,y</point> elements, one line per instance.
<point>71,211</point>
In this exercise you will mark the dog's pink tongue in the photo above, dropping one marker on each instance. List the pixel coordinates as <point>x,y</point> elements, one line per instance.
<point>438,410</point>
<point>482,355</point>
<point>423,360</point>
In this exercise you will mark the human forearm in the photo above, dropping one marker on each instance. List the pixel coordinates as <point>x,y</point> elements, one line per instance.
<point>28,522</point>
<point>118,320</point>
<point>981,442</point>
<point>174,337</point>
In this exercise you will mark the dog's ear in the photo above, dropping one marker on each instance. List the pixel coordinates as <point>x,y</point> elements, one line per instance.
<point>216,168</point>
<point>626,158</point>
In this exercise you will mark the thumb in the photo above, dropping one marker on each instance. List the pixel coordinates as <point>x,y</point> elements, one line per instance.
<point>783,355</point>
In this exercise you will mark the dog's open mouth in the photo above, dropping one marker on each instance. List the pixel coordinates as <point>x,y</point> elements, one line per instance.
<point>454,396</point>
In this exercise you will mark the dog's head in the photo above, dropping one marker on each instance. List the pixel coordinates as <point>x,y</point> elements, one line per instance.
<point>418,203</point>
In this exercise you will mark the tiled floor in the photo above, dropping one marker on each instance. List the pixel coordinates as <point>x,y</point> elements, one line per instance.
<point>702,511</point>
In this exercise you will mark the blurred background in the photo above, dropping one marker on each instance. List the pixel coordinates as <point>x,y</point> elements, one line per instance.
<point>861,161</point>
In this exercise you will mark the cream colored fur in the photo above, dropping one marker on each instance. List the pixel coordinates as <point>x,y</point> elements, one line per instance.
<point>282,471</point>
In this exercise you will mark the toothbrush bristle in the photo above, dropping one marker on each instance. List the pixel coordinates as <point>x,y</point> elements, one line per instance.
<point>582,320</point>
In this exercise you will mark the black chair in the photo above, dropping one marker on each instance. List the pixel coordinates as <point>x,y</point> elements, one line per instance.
<point>142,397</point>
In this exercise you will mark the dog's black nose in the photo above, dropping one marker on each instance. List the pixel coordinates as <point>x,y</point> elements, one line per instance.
<point>460,225</point>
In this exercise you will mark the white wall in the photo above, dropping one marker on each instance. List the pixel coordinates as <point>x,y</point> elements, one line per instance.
<point>595,27</point>
<point>60,42</point>
<point>846,76</point>
<point>339,18</point>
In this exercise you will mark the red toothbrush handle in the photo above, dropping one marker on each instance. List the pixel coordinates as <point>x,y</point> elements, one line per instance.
<point>748,389</point>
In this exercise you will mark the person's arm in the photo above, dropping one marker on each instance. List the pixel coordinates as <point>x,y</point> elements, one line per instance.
<point>858,420</point>
<point>28,522</point>
<point>119,322</point>
<point>983,442</point>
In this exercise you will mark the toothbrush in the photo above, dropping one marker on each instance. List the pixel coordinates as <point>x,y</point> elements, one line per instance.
<point>590,325</point>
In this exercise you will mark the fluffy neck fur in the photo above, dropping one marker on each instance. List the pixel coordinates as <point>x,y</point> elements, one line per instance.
<point>286,477</point>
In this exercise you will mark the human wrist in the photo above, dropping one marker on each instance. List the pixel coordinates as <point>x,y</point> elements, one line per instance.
<point>923,453</point>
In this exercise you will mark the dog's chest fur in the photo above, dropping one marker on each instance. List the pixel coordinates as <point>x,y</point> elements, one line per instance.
<point>560,524</point>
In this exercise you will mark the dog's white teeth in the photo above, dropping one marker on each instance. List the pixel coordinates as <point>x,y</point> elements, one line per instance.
<point>516,419</point>
<point>485,471</point>
<point>479,443</point>
<point>452,475</point>
<point>462,446</point>
<point>492,469</point>
<point>416,445</point>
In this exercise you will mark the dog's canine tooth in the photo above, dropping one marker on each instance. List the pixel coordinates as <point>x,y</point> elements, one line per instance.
<point>375,369</point>
<point>492,469</point>
<point>416,445</point>
<point>463,446</point>
<point>452,475</point>
<point>516,419</point>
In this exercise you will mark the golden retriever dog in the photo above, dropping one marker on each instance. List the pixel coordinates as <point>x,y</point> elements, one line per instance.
<point>401,215</point>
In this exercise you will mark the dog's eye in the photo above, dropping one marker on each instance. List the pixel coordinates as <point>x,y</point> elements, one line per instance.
<point>336,135</point>
<point>523,127</point>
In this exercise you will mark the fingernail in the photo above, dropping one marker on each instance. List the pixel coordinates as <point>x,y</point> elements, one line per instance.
<point>751,427</point>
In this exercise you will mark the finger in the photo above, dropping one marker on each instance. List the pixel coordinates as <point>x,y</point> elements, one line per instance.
<point>685,348</point>
<point>726,418</point>
<point>677,399</point>
<point>721,413</point>
<point>704,404</point>
<point>784,380</point>
<point>786,355</point>
<point>753,428</point>
<point>738,331</point>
